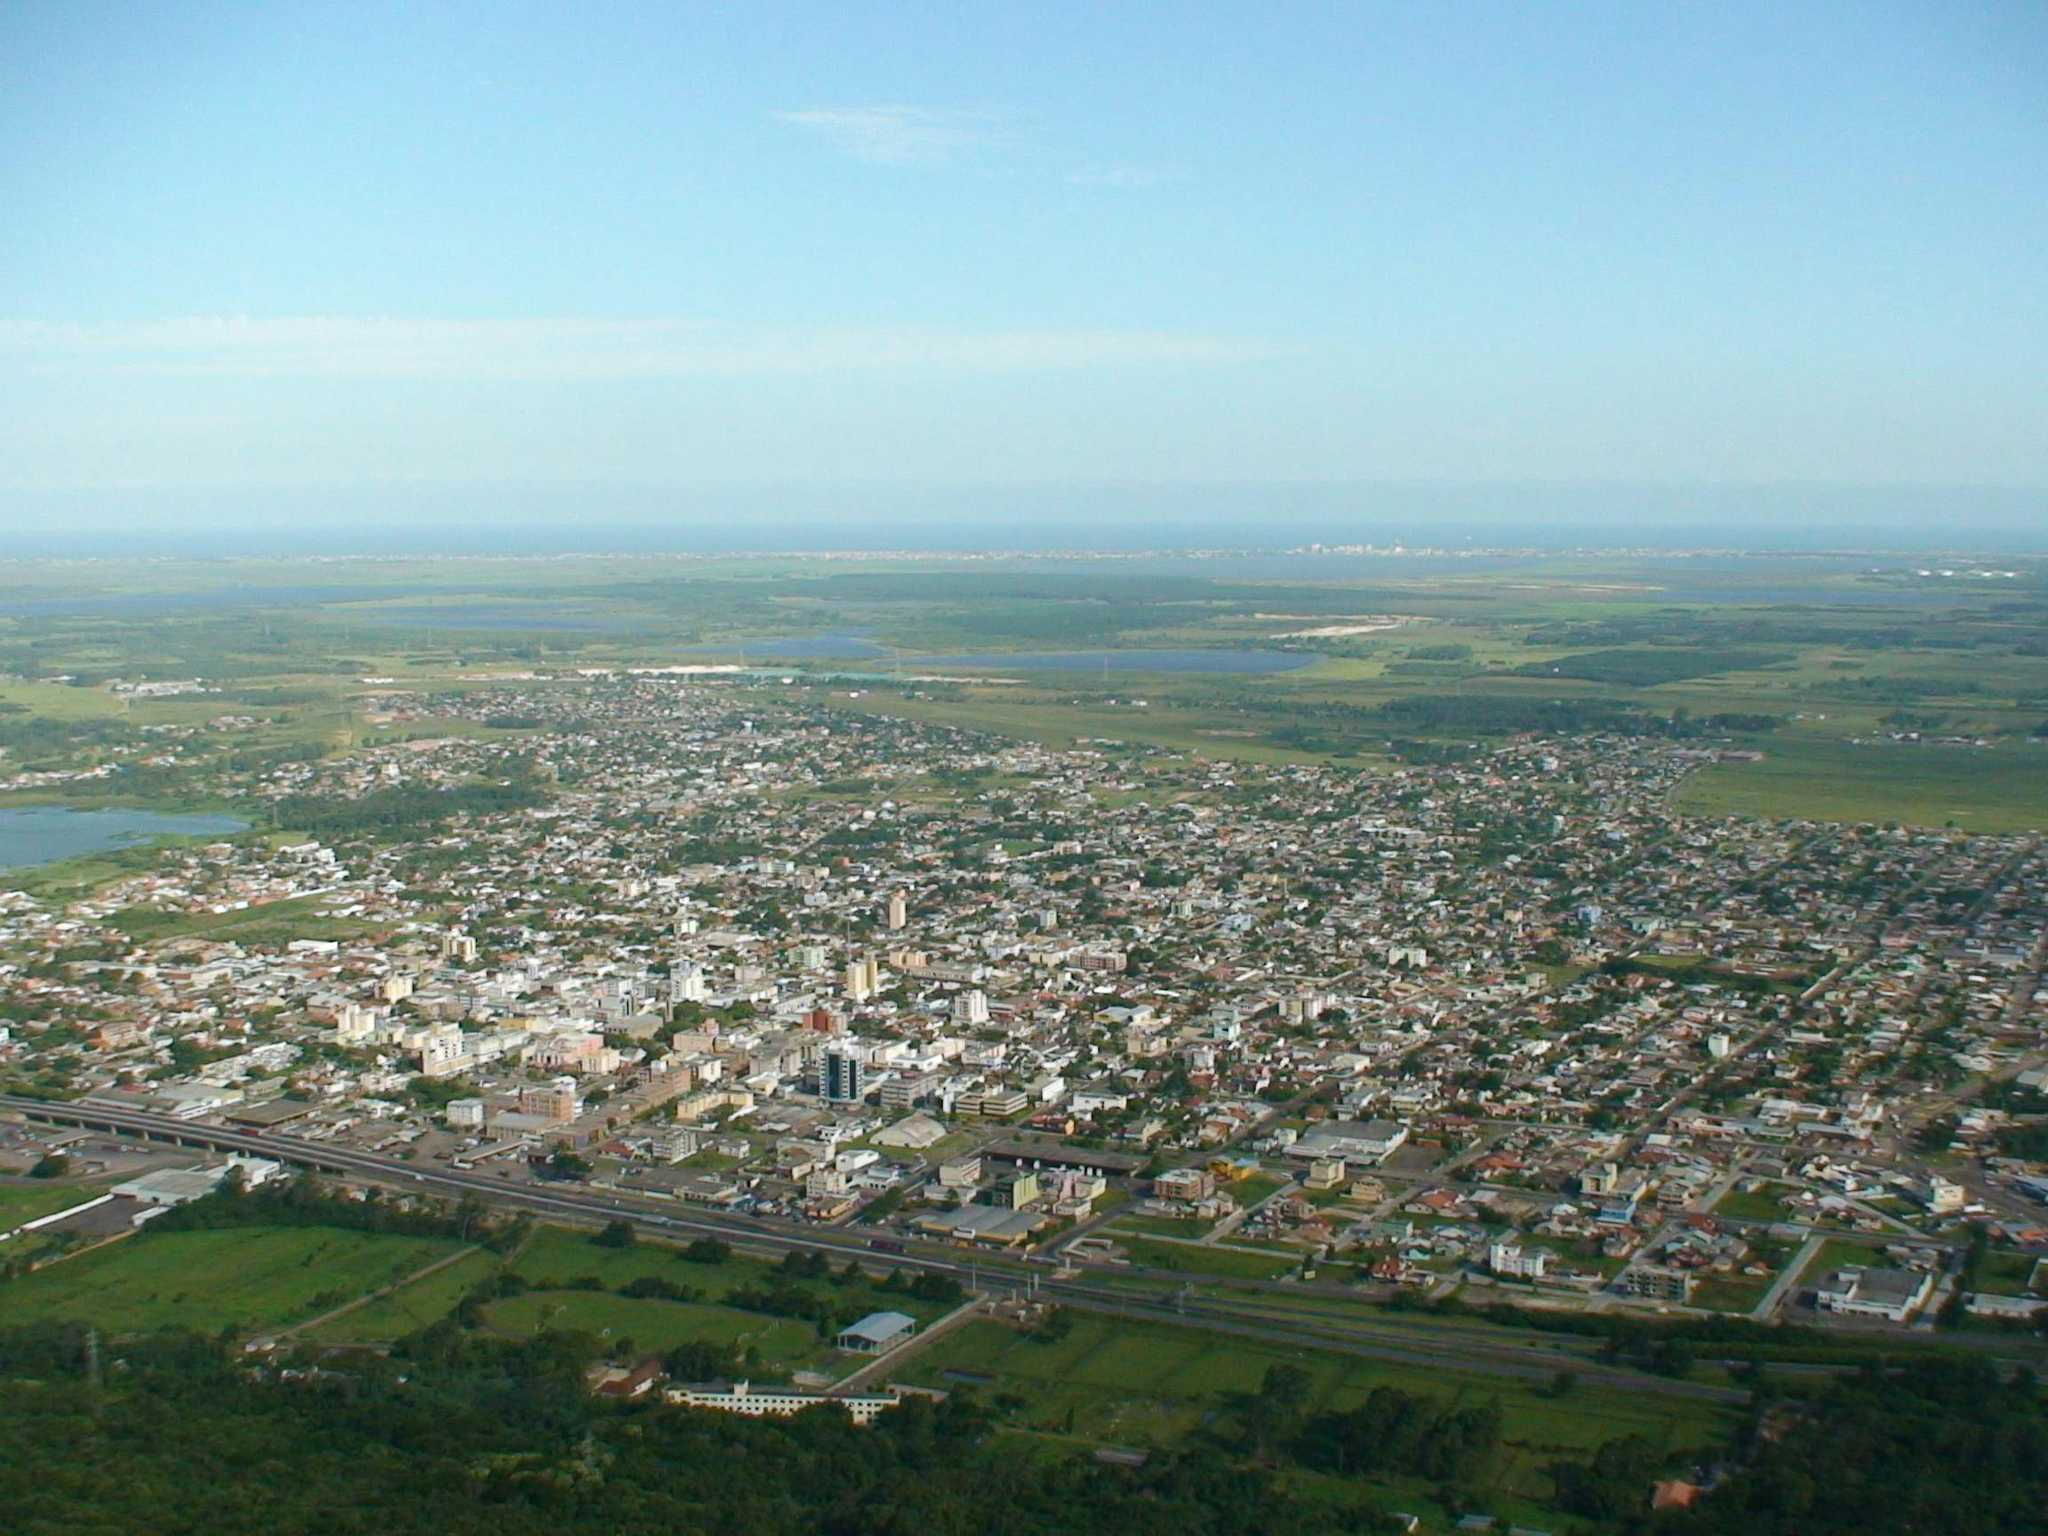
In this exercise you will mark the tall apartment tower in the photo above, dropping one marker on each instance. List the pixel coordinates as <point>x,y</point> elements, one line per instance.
<point>857,982</point>
<point>899,910</point>
<point>842,1076</point>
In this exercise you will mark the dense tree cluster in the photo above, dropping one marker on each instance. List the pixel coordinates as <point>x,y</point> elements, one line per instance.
<point>462,1432</point>
<point>403,811</point>
<point>1402,1432</point>
<point>1946,1447</point>
<point>501,1438</point>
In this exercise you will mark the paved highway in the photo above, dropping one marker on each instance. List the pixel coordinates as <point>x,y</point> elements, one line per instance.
<point>1428,1348</point>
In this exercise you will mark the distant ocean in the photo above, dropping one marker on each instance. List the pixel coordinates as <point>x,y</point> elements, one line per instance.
<point>410,519</point>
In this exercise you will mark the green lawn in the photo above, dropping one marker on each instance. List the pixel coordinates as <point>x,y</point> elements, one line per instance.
<point>412,1307</point>
<point>1249,1192</point>
<point>1837,1253</point>
<point>559,1254</point>
<point>1764,1204</point>
<point>1731,1293</point>
<point>244,1277</point>
<point>1577,1253</point>
<point>2006,1272</point>
<point>1203,1260</point>
<point>41,1197</point>
<point>1160,1226</point>
<point>708,1161</point>
<point>1327,1199</point>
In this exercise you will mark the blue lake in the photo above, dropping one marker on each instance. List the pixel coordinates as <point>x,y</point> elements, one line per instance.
<point>43,834</point>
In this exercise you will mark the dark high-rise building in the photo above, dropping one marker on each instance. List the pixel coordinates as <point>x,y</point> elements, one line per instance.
<point>842,1076</point>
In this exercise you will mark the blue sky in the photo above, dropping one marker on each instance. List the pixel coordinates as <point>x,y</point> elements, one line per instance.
<point>281,245</point>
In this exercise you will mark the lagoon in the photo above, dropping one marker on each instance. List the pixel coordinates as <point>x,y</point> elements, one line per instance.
<point>43,834</point>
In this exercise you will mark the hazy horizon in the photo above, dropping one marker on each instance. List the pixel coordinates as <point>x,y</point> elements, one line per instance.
<point>1108,518</point>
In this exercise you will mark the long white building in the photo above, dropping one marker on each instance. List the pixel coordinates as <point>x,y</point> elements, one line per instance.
<point>754,1402</point>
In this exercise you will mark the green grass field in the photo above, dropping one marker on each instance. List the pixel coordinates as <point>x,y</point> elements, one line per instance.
<point>2007,1272</point>
<point>241,1277</point>
<point>1030,716</point>
<point>32,1198</point>
<point>1162,1226</point>
<point>559,1254</point>
<point>1578,1253</point>
<point>1837,1253</point>
<point>555,1256</point>
<point>412,1306</point>
<point>2000,789</point>
<point>1764,1204</point>
<point>778,1345</point>
<point>61,701</point>
<point>1248,1192</point>
<point>1146,1384</point>
<point>1730,1293</point>
<point>1210,1260</point>
<point>274,923</point>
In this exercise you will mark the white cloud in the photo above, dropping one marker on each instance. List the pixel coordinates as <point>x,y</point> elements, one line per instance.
<point>572,349</point>
<point>894,134</point>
